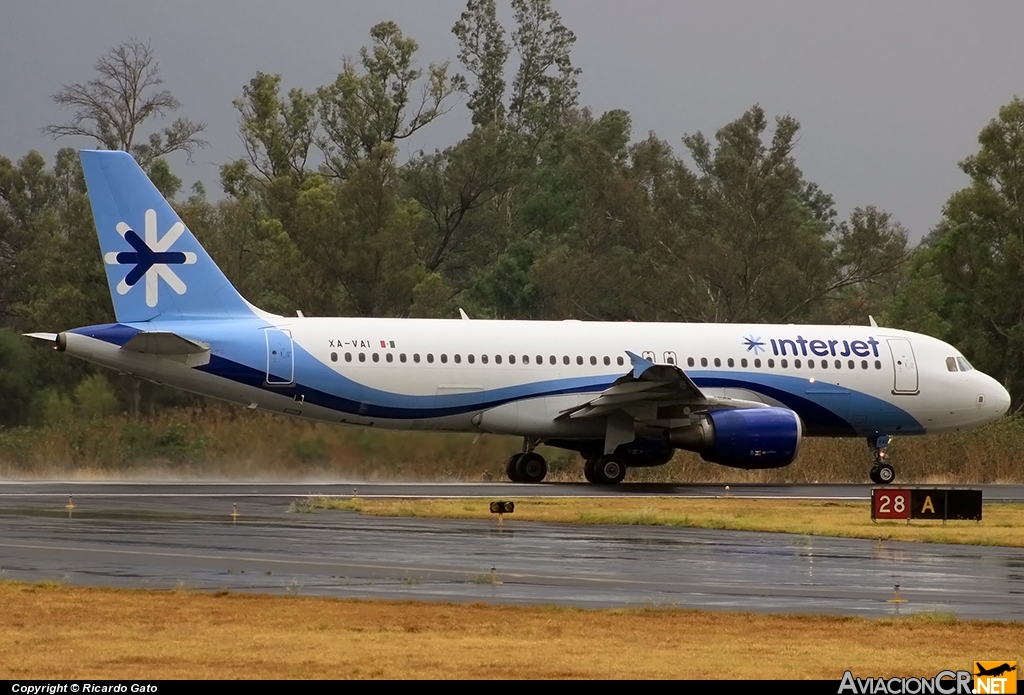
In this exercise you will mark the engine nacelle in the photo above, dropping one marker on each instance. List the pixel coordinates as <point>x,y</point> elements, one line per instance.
<point>743,438</point>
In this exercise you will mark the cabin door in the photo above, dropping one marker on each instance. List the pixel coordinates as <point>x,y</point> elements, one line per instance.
<point>904,366</point>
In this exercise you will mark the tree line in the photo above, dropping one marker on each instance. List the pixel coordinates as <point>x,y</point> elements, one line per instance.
<point>544,210</point>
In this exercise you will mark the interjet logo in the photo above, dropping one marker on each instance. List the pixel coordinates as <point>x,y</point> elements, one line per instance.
<point>151,258</point>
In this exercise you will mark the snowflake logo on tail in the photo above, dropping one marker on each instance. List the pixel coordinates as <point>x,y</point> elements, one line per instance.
<point>151,258</point>
<point>754,344</point>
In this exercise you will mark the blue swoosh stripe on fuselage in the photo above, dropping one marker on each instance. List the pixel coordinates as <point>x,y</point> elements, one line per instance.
<point>347,396</point>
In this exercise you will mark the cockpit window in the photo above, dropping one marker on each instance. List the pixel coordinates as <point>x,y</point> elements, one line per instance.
<point>965,366</point>
<point>951,364</point>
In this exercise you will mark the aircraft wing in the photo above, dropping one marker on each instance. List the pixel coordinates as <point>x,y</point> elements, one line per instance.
<point>649,386</point>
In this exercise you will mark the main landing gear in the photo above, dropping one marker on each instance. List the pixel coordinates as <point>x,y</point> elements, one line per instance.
<point>527,466</point>
<point>604,470</point>
<point>882,472</point>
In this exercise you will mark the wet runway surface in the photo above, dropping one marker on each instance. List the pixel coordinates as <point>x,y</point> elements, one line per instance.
<point>171,535</point>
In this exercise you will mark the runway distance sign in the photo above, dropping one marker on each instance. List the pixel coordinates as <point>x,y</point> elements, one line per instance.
<point>887,503</point>
<point>926,503</point>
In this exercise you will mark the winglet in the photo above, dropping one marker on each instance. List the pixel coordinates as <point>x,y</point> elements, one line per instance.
<point>640,364</point>
<point>465,317</point>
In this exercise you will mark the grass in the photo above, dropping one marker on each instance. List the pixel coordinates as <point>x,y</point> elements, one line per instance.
<point>72,632</point>
<point>226,442</point>
<point>1002,524</point>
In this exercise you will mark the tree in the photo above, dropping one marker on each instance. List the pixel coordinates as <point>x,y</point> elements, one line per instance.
<point>277,134</point>
<point>111,108</point>
<point>967,279</point>
<point>483,51</point>
<point>365,108</point>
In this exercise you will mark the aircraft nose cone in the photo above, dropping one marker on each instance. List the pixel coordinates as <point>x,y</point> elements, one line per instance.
<point>1001,400</point>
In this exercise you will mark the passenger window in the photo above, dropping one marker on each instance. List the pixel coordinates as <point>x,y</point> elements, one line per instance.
<point>470,359</point>
<point>430,357</point>
<point>376,357</point>
<point>483,359</point>
<point>593,360</point>
<point>647,355</point>
<point>863,364</point>
<point>851,364</point>
<point>757,363</point>
<point>607,360</point>
<point>348,356</point>
<point>796,364</point>
<point>553,360</point>
<point>619,361</point>
<point>839,364</point>
<point>731,363</point>
<point>579,359</point>
<point>951,364</point>
<point>718,362</point>
<point>526,359</point>
<point>689,361</point>
<point>670,358</point>
<point>540,359</point>
<point>824,364</point>
<point>878,364</point>
<point>497,359</point>
<point>334,357</point>
<point>783,363</point>
<point>743,362</point>
<point>458,359</point>
<point>362,356</point>
<point>416,357</point>
<point>771,364</point>
<point>389,357</point>
<point>703,361</point>
<point>401,358</point>
<point>444,358</point>
<point>511,359</point>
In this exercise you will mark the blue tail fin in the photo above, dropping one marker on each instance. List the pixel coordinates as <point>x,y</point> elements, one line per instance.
<point>155,267</point>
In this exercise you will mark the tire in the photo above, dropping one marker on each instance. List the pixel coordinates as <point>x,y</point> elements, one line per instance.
<point>886,474</point>
<point>510,468</point>
<point>609,471</point>
<point>531,468</point>
<point>589,468</point>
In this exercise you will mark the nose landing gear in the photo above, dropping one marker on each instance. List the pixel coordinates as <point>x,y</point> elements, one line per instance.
<point>882,472</point>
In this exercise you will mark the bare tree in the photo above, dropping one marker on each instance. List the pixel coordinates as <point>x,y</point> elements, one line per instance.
<point>112,107</point>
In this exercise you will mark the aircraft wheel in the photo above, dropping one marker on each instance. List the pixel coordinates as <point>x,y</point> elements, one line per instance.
<point>531,468</point>
<point>510,468</point>
<point>609,471</point>
<point>883,474</point>
<point>589,468</point>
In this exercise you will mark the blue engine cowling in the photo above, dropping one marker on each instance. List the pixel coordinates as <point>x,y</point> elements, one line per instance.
<point>743,438</point>
<point>754,437</point>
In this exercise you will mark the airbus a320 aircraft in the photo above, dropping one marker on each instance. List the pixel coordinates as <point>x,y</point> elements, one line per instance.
<point>623,395</point>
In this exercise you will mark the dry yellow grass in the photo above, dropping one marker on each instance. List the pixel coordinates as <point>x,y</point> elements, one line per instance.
<point>52,631</point>
<point>1002,524</point>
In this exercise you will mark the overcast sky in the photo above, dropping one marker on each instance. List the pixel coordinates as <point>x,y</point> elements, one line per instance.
<point>890,95</point>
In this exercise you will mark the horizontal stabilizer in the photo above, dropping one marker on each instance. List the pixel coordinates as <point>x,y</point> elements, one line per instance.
<point>171,346</point>
<point>164,343</point>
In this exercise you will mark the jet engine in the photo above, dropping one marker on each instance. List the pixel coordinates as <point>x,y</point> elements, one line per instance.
<point>743,437</point>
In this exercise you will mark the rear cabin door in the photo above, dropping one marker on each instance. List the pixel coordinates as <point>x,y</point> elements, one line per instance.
<point>280,364</point>
<point>904,366</point>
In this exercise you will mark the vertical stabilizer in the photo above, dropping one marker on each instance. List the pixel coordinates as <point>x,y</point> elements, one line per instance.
<point>155,267</point>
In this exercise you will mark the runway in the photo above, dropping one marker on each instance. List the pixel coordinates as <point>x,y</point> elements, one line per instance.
<point>183,535</point>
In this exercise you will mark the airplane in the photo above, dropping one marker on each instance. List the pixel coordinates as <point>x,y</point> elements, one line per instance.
<point>621,394</point>
<point>995,671</point>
